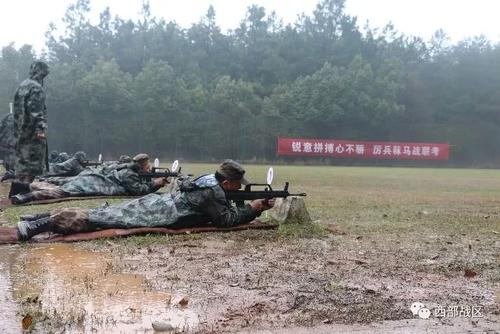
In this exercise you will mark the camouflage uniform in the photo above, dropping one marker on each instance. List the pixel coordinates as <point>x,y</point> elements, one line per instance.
<point>70,167</point>
<point>7,141</point>
<point>29,122</point>
<point>53,157</point>
<point>122,181</point>
<point>109,166</point>
<point>62,157</point>
<point>198,202</point>
<point>57,180</point>
<point>104,169</point>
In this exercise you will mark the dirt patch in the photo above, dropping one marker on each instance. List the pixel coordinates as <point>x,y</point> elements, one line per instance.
<point>255,280</point>
<point>252,280</point>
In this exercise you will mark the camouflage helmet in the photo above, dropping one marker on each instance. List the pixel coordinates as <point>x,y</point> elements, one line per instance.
<point>141,158</point>
<point>39,70</point>
<point>53,154</point>
<point>63,156</point>
<point>232,171</point>
<point>124,159</point>
<point>80,156</point>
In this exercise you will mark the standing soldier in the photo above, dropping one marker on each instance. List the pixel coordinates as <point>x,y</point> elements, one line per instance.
<point>30,125</point>
<point>7,142</point>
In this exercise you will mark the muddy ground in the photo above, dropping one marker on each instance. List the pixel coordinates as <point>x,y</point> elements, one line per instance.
<point>253,280</point>
<point>256,280</point>
<point>339,275</point>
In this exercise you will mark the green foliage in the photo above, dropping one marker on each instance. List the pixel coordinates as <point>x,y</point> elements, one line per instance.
<point>336,97</point>
<point>14,67</point>
<point>106,92</point>
<point>123,86</point>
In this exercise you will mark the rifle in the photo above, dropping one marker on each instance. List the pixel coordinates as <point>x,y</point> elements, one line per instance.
<point>157,172</point>
<point>239,196</point>
<point>89,163</point>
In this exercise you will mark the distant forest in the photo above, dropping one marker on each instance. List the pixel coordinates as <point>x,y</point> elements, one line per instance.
<point>125,86</point>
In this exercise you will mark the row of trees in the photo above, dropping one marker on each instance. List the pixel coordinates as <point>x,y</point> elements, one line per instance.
<point>124,86</point>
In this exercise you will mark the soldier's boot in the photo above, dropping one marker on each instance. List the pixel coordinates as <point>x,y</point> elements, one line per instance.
<point>22,198</point>
<point>7,176</point>
<point>27,229</point>
<point>13,189</point>
<point>35,216</point>
<point>26,178</point>
<point>17,187</point>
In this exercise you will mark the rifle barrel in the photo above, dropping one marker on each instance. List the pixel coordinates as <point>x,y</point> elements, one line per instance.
<point>91,163</point>
<point>159,175</point>
<point>241,195</point>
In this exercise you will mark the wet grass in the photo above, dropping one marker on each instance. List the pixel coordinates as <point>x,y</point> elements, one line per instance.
<point>368,200</point>
<point>391,200</point>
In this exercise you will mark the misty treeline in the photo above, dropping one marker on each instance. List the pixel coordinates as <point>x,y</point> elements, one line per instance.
<point>125,86</point>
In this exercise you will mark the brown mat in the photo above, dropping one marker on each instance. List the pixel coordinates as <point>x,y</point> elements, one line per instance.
<point>8,235</point>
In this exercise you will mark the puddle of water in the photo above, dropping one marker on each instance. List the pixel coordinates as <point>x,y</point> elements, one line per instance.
<point>8,308</point>
<point>77,290</point>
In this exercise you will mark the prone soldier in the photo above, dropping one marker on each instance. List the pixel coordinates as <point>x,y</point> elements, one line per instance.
<point>121,181</point>
<point>198,202</point>
<point>71,167</point>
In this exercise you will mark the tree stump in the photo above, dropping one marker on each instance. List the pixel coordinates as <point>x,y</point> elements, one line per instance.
<point>290,210</point>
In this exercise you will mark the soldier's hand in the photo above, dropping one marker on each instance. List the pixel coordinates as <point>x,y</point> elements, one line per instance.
<point>260,205</point>
<point>40,135</point>
<point>160,181</point>
<point>269,203</point>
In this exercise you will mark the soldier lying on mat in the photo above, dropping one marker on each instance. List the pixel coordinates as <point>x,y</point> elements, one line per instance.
<point>105,169</point>
<point>198,202</point>
<point>71,167</point>
<point>124,180</point>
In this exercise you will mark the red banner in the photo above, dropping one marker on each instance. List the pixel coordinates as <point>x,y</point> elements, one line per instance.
<point>362,149</point>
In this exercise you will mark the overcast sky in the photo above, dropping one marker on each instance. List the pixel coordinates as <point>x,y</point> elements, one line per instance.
<point>26,21</point>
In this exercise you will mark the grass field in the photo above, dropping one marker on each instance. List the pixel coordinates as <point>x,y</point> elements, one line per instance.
<point>377,200</point>
<point>391,200</point>
<point>387,237</point>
